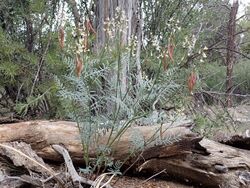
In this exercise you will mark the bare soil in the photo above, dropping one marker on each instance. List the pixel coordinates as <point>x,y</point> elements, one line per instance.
<point>133,182</point>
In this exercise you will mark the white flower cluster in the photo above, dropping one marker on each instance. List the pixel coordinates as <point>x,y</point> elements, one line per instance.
<point>174,25</point>
<point>133,42</point>
<point>156,43</point>
<point>203,54</point>
<point>81,43</point>
<point>118,24</point>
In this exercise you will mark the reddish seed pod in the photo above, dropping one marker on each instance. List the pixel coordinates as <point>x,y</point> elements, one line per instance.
<point>79,65</point>
<point>61,37</point>
<point>171,51</point>
<point>191,81</point>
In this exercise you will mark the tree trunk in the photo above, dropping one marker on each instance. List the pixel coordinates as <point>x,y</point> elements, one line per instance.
<point>138,49</point>
<point>30,34</point>
<point>77,18</point>
<point>106,10</point>
<point>231,48</point>
<point>204,162</point>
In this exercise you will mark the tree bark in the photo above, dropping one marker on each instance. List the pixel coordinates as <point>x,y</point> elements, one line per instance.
<point>105,11</point>
<point>204,162</point>
<point>231,48</point>
<point>77,18</point>
<point>30,34</point>
<point>138,48</point>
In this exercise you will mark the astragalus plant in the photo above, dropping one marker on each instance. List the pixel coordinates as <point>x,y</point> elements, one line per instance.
<point>104,102</point>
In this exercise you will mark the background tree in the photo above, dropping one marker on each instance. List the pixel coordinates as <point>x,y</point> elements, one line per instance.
<point>189,36</point>
<point>231,48</point>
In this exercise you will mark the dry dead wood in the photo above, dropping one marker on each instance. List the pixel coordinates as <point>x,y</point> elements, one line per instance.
<point>76,178</point>
<point>225,166</point>
<point>41,135</point>
<point>191,158</point>
<point>239,141</point>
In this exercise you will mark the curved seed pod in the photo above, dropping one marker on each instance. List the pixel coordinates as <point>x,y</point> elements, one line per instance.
<point>191,82</point>
<point>164,61</point>
<point>171,51</point>
<point>79,65</point>
<point>61,37</point>
<point>90,27</point>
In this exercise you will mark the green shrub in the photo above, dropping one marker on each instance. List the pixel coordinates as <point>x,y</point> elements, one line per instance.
<point>242,77</point>
<point>213,78</point>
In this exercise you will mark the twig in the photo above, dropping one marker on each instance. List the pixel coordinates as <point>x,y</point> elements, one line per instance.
<point>219,93</point>
<point>137,159</point>
<point>18,93</point>
<point>235,51</point>
<point>49,178</point>
<point>98,181</point>
<point>223,105</point>
<point>40,65</point>
<point>163,171</point>
<point>50,171</point>
<point>105,184</point>
<point>68,161</point>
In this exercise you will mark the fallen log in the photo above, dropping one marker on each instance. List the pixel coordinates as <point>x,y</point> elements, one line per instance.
<point>224,167</point>
<point>204,162</point>
<point>42,134</point>
<point>238,141</point>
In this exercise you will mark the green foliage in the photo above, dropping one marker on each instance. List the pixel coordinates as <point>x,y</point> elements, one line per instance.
<point>211,121</point>
<point>213,77</point>
<point>18,68</point>
<point>245,25</point>
<point>96,102</point>
<point>38,6</point>
<point>242,77</point>
<point>27,68</point>
<point>9,67</point>
<point>204,125</point>
<point>32,103</point>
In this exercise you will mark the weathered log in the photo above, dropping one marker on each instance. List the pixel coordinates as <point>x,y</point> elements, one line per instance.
<point>224,167</point>
<point>42,134</point>
<point>238,141</point>
<point>205,162</point>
